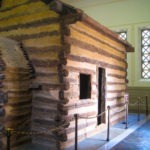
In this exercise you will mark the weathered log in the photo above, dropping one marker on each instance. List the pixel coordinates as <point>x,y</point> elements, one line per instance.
<point>33,50</point>
<point>96,62</point>
<point>70,18</point>
<point>117,87</point>
<point>115,91</point>
<point>2,76</point>
<point>28,19</point>
<point>83,70</point>
<point>81,126</point>
<point>115,98</point>
<point>100,49</point>
<point>63,55</point>
<point>61,86</point>
<point>19,103</point>
<point>66,48</point>
<point>100,38</point>
<point>2,112</point>
<point>105,31</point>
<point>43,63</point>
<point>63,73</point>
<point>62,109</point>
<point>2,67</point>
<point>119,105</point>
<point>3,97</point>
<point>32,36</point>
<point>41,121</point>
<point>117,76</point>
<point>65,29</point>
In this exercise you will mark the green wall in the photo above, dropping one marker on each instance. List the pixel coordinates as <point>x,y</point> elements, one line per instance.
<point>130,15</point>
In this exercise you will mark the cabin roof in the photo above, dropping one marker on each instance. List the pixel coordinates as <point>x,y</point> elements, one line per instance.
<point>66,9</point>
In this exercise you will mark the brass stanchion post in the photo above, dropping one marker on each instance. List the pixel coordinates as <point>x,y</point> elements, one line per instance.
<point>76,131</point>
<point>108,123</point>
<point>126,124</point>
<point>8,134</point>
<point>146,103</point>
<point>138,109</point>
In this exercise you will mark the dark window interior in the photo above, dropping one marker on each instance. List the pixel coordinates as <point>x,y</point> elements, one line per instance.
<point>85,86</point>
<point>0,3</point>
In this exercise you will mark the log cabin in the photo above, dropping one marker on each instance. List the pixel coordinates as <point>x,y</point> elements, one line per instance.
<point>55,61</point>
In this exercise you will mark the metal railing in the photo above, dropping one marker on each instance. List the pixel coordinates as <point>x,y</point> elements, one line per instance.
<point>77,117</point>
<point>8,132</point>
<point>141,102</point>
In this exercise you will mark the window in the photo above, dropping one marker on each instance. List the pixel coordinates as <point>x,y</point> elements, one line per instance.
<point>0,3</point>
<point>85,86</point>
<point>145,53</point>
<point>123,35</point>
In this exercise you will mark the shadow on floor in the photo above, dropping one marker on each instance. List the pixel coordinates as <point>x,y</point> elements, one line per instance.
<point>99,142</point>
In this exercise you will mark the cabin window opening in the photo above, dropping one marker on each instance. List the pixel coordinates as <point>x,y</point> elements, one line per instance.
<point>85,86</point>
<point>0,3</point>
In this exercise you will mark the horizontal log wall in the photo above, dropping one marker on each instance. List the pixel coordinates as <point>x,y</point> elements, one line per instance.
<point>33,24</point>
<point>89,50</point>
<point>16,102</point>
<point>57,66</point>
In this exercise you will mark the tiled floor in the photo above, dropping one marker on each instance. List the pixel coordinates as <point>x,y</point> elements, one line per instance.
<point>138,140</point>
<point>118,133</point>
<point>122,141</point>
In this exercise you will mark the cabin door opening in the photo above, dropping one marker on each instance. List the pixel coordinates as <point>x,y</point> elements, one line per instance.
<point>101,95</point>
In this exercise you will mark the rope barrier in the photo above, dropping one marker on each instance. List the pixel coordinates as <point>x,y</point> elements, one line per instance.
<point>23,132</point>
<point>118,111</point>
<point>81,117</point>
<point>122,109</point>
<point>134,103</point>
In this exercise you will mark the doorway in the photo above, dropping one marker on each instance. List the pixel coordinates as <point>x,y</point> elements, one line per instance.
<point>101,94</point>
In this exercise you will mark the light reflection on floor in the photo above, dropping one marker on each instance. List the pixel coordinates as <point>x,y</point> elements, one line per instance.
<point>138,140</point>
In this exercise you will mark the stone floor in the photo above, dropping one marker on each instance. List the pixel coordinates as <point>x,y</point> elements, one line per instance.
<point>138,140</point>
<point>117,133</point>
<point>136,137</point>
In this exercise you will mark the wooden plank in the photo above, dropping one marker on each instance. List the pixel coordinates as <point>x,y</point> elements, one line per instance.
<point>19,20</point>
<point>35,23</point>
<point>33,50</point>
<point>44,63</point>
<point>47,80</point>
<point>114,95</point>
<point>75,50</point>
<point>43,42</point>
<point>17,85</point>
<point>117,87</point>
<point>117,76</point>
<point>23,9</point>
<point>99,63</point>
<point>100,28</point>
<point>31,32</point>
<point>118,72</point>
<point>85,39</point>
<point>45,56</point>
<point>83,27</point>
<point>117,80</point>
<point>81,65</point>
<point>9,3</point>
<point>115,98</point>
